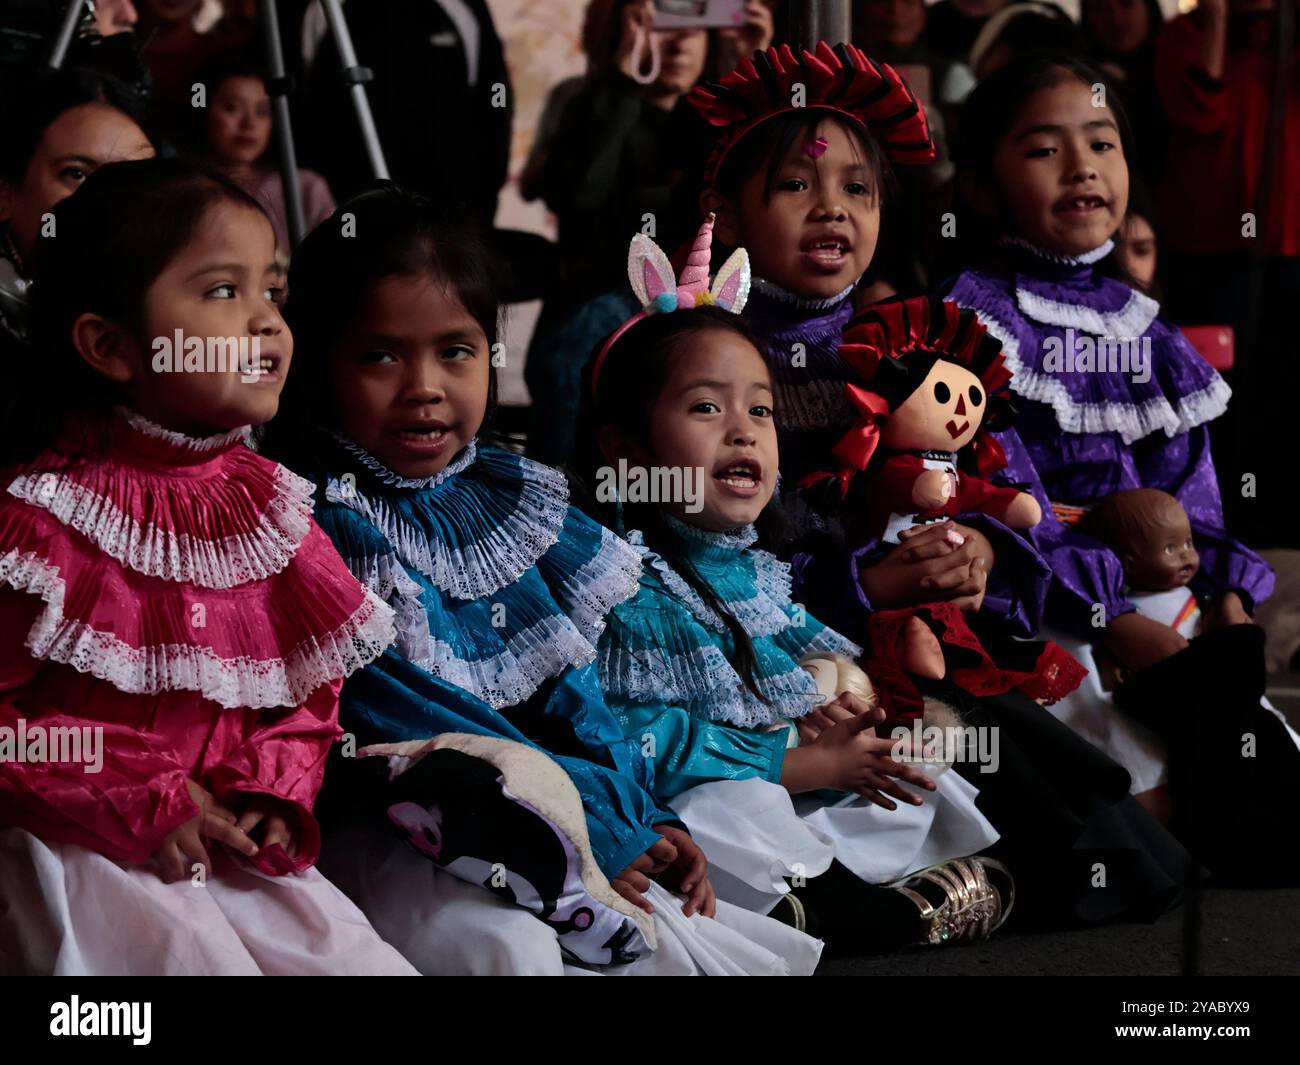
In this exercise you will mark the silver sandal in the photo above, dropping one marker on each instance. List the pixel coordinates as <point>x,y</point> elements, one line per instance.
<point>972,908</point>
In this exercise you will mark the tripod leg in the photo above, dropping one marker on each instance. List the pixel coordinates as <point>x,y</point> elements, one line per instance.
<point>355,76</point>
<point>278,87</point>
<point>71,16</point>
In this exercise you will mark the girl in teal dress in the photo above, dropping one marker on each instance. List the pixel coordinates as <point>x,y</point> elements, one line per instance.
<point>702,665</point>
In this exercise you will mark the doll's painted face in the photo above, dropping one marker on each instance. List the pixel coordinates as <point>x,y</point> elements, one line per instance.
<point>815,232</point>
<point>943,414</point>
<point>1164,557</point>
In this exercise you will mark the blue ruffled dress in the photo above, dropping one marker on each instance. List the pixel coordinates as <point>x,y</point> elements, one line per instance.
<point>500,590</point>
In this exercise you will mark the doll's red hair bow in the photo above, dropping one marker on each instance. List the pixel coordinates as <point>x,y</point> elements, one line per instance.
<point>856,447</point>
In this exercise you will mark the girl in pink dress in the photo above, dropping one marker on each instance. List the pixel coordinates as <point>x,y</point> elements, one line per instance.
<point>174,626</point>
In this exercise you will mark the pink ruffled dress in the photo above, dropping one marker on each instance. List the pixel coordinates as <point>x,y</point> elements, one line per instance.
<point>171,606</point>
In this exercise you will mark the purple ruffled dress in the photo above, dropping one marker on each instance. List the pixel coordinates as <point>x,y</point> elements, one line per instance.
<point>1133,416</point>
<point>1058,802</point>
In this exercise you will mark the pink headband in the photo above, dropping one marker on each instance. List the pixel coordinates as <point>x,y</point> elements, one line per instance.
<point>660,291</point>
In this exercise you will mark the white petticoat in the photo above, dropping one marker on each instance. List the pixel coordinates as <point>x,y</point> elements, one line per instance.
<point>756,835</point>
<point>1091,712</point>
<point>448,927</point>
<point>68,911</point>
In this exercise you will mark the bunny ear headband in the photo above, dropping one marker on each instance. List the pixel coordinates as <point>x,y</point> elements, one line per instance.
<point>660,291</point>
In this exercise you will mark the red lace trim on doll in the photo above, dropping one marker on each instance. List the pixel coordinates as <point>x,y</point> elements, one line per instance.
<point>1055,672</point>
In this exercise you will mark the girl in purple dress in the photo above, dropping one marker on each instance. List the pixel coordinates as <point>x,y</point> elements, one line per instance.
<point>803,166</point>
<point>1109,397</point>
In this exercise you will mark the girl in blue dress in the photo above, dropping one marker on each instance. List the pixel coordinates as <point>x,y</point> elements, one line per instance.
<point>500,590</point>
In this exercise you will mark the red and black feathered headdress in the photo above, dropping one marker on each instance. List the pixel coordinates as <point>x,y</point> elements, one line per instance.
<point>840,78</point>
<point>892,347</point>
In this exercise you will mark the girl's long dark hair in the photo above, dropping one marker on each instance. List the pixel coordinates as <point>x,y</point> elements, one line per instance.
<point>990,113</point>
<point>383,232</point>
<point>632,377</point>
<point>108,243</point>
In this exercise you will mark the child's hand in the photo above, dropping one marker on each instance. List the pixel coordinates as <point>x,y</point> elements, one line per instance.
<point>688,873</point>
<point>1139,642</point>
<point>633,881</point>
<point>269,812</point>
<point>926,567</point>
<point>844,707</point>
<point>183,846</point>
<point>856,759</point>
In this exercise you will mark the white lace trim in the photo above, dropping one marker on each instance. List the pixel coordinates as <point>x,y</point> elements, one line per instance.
<point>1132,422</point>
<point>387,476</point>
<point>612,576</point>
<point>158,552</point>
<point>1086,259</point>
<point>192,443</point>
<point>778,294</point>
<point>233,683</point>
<point>513,549</point>
<point>1127,323</point>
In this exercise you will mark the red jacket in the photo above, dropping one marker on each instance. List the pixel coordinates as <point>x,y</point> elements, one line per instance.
<point>1217,135</point>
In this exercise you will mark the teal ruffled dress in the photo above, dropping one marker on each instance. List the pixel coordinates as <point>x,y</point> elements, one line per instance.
<point>718,751</point>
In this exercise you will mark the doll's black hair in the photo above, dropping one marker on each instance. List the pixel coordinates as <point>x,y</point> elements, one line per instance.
<point>109,242</point>
<point>632,378</point>
<point>989,114</point>
<point>382,232</point>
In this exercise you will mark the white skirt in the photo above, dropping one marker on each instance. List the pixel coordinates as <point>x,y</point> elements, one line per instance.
<point>1091,712</point>
<point>68,911</point>
<point>448,927</point>
<point>757,836</point>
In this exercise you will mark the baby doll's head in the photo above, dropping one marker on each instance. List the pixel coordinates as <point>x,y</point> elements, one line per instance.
<point>802,168</point>
<point>154,276</point>
<point>1150,533</point>
<point>835,674</point>
<point>1041,155</point>
<point>396,311</point>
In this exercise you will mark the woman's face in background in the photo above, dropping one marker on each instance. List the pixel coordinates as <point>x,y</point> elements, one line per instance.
<point>76,144</point>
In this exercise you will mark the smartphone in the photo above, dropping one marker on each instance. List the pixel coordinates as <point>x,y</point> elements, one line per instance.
<point>698,14</point>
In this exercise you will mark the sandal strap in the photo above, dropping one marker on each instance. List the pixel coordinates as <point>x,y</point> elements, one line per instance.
<point>972,908</point>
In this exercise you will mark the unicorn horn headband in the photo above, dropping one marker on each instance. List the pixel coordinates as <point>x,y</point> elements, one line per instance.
<point>660,291</point>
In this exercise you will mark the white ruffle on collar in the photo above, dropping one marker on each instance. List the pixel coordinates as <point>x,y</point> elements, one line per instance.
<point>777,294</point>
<point>386,476</point>
<point>143,425</point>
<point>1086,259</point>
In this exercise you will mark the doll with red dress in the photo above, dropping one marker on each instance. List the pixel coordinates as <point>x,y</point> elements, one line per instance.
<point>932,386</point>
